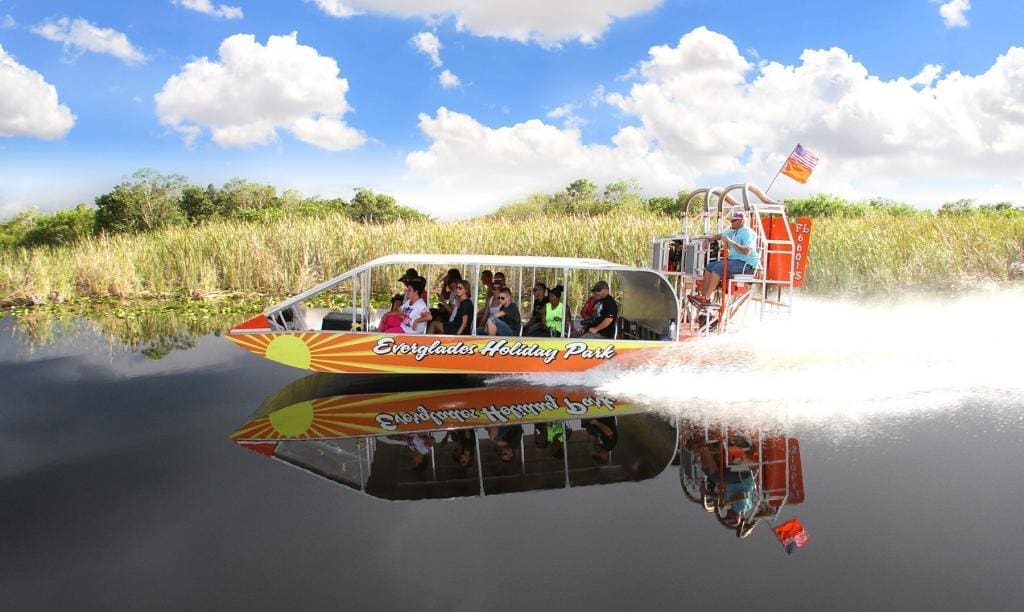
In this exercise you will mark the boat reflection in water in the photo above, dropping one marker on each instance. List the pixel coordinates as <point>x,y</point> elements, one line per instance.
<point>743,477</point>
<point>412,438</point>
<point>457,437</point>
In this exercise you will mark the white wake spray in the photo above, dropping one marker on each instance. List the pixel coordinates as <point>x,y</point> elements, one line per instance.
<point>839,364</point>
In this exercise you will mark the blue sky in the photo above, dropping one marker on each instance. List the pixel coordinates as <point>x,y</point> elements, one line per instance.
<point>457,106</point>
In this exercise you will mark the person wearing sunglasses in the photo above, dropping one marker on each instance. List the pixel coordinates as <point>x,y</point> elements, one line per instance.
<point>459,322</point>
<point>506,321</point>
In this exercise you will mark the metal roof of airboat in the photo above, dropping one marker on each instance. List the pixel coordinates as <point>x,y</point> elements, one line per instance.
<point>469,259</point>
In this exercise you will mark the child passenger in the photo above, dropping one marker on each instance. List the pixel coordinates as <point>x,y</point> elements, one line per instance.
<point>392,320</point>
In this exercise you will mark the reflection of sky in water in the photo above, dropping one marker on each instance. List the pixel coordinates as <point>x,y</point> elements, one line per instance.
<point>121,488</point>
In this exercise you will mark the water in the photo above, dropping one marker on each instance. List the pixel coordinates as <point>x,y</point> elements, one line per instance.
<point>120,485</point>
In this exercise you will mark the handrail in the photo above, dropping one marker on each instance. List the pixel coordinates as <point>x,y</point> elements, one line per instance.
<point>724,253</point>
<point>747,188</point>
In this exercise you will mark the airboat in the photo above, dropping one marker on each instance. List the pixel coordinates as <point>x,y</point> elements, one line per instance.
<point>333,327</point>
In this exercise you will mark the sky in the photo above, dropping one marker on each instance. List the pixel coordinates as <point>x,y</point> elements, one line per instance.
<point>458,106</point>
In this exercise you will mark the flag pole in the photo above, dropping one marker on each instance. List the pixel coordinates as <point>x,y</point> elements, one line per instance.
<point>780,170</point>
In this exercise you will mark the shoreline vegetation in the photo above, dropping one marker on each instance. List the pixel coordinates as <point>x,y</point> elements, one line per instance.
<point>157,237</point>
<point>852,256</point>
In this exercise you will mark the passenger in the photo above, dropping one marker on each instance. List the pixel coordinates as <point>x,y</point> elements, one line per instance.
<point>498,282</point>
<point>493,303</point>
<point>602,323</point>
<point>486,278</point>
<point>553,315</point>
<point>416,312</point>
<point>507,321</point>
<point>460,321</point>
<point>391,322</point>
<point>536,322</point>
<point>410,273</point>
<point>444,307</point>
<point>446,301</point>
<point>742,259</point>
<point>586,312</point>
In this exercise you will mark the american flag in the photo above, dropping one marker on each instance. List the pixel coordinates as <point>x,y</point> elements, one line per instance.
<point>795,542</point>
<point>799,164</point>
<point>804,157</point>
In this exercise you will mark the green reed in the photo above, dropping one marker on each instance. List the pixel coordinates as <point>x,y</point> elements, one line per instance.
<point>881,253</point>
<point>854,255</point>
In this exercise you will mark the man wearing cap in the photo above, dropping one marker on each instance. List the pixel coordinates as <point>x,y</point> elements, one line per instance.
<point>602,324</point>
<point>742,258</point>
<point>410,276</point>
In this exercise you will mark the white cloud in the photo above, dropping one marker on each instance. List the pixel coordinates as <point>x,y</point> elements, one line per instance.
<point>206,7</point>
<point>567,113</point>
<point>80,36</point>
<point>700,110</point>
<point>542,21</point>
<point>927,75</point>
<point>428,44</point>
<point>29,105</point>
<point>335,8</point>
<point>953,12</point>
<point>697,104</point>
<point>327,132</point>
<point>448,79</point>
<point>472,168</point>
<point>7,22</point>
<point>254,90</point>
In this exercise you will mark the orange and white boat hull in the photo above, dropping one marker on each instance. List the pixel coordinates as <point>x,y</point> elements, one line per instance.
<point>363,352</point>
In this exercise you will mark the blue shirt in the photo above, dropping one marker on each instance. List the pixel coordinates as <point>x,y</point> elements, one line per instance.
<point>745,487</point>
<point>743,236</point>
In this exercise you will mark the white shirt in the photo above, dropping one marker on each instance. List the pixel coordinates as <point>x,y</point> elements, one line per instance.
<point>413,312</point>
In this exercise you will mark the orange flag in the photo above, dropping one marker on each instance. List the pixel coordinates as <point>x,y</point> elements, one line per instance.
<point>791,535</point>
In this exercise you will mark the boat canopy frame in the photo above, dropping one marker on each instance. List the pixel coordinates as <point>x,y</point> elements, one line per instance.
<point>650,299</point>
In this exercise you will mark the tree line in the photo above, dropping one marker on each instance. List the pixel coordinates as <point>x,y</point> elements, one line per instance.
<point>151,200</point>
<point>583,196</point>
